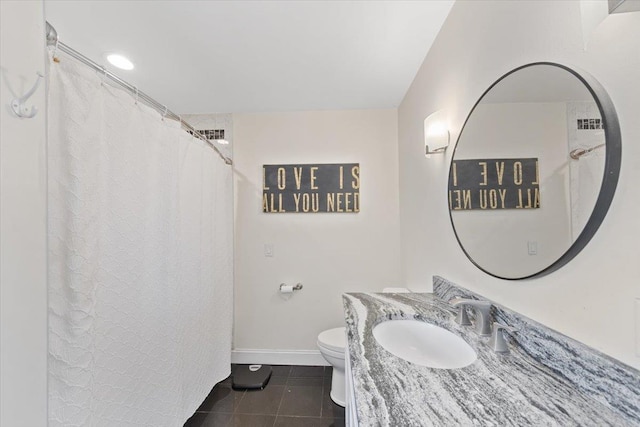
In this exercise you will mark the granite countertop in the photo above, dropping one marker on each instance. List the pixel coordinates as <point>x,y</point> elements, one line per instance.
<point>495,390</point>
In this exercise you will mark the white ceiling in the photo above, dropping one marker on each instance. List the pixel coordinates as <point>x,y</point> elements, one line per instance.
<point>258,56</point>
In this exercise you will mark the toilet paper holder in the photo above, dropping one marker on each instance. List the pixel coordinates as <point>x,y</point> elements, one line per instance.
<point>297,287</point>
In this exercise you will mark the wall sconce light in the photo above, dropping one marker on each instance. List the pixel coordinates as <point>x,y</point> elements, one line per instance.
<point>436,135</point>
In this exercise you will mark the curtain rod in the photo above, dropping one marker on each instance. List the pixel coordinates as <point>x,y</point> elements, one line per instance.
<point>53,40</point>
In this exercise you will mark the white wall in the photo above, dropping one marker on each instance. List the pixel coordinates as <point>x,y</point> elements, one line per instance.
<point>23,180</point>
<point>591,298</point>
<point>328,253</point>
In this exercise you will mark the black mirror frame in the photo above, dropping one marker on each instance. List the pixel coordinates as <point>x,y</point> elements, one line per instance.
<point>613,157</point>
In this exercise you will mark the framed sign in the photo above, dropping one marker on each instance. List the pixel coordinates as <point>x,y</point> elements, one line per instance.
<point>490,184</point>
<point>311,188</point>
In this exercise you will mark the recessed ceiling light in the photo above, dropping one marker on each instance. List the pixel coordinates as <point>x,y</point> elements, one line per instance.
<point>222,141</point>
<point>120,61</point>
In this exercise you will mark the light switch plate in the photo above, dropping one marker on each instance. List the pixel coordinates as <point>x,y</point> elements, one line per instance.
<point>268,250</point>
<point>532,247</point>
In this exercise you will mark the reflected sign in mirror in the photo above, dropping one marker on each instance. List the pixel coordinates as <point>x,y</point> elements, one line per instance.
<point>534,170</point>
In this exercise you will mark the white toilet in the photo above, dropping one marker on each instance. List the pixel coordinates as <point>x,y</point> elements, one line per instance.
<point>331,344</point>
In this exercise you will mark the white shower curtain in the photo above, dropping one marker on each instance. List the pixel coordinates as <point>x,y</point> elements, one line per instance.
<point>140,259</point>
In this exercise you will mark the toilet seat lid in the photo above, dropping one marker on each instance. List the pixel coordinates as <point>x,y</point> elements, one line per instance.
<point>333,339</point>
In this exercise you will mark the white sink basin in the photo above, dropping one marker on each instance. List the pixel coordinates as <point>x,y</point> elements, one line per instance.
<point>424,344</point>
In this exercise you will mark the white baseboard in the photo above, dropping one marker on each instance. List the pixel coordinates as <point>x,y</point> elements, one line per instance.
<point>277,357</point>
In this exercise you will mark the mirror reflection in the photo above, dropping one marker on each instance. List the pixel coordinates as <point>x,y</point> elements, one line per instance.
<point>527,171</point>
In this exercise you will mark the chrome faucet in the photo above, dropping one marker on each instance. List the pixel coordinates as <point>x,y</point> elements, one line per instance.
<point>483,314</point>
<point>497,342</point>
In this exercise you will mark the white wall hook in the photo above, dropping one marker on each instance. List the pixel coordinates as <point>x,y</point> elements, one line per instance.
<point>18,106</point>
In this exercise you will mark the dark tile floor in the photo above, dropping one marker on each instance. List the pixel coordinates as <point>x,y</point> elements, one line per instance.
<point>296,396</point>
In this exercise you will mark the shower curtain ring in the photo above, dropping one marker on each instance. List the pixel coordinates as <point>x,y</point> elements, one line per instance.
<point>136,96</point>
<point>104,75</point>
<point>165,112</point>
<point>55,50</point>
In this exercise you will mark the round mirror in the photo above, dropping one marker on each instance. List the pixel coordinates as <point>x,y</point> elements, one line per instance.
<point>534,170</point>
